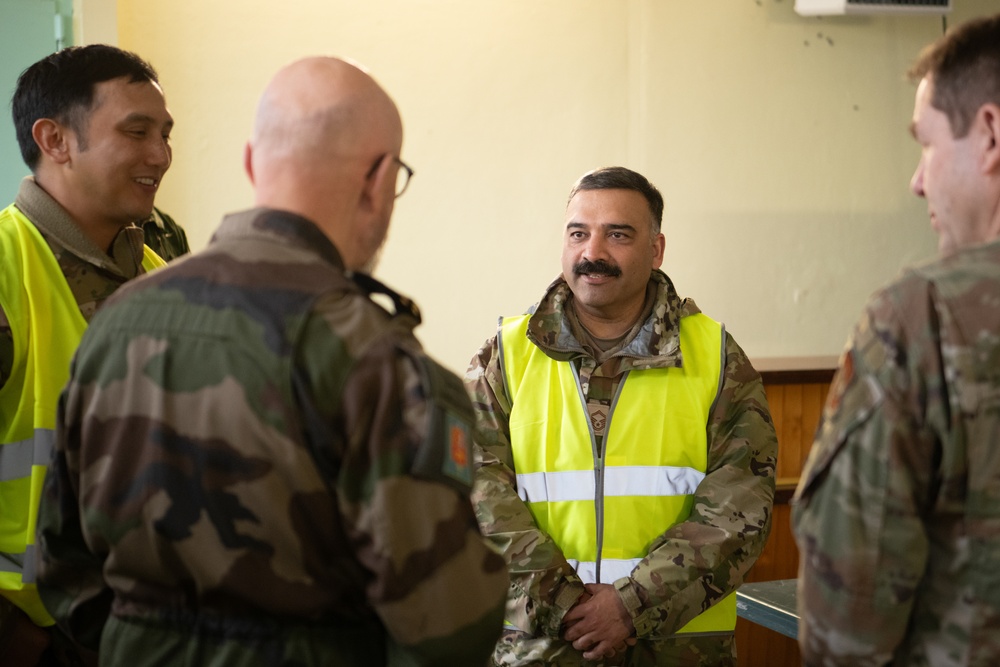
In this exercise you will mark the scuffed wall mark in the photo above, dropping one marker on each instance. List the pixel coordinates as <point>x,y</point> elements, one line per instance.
<point>824,38</point>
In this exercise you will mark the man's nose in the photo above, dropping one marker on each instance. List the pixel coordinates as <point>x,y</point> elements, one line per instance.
<point>917,182</point>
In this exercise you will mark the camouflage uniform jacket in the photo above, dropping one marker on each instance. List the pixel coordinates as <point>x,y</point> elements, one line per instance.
<point>897,515</point>
<point>694,563</point>
<point>92,274</point>
<point>257,465</point>
<point>164,236</point>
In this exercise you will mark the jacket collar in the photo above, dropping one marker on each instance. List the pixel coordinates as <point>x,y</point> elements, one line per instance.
<point>655,345</point>
<point>56,224</point>
<point>283,226</point>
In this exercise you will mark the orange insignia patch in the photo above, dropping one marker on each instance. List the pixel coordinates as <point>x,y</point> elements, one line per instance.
<point>459,449</point>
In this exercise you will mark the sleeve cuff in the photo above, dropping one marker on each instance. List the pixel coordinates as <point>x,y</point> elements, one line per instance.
<point>630,599</point>
<point>566,598</point>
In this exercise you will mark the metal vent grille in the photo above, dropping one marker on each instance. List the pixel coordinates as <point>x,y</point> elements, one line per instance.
<point>903,3</point>
<point>833,7</point>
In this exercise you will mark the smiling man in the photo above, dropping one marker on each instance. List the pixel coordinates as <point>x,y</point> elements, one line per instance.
<point>897,514</point>
<point>93,127</point>
<point>625,453</point>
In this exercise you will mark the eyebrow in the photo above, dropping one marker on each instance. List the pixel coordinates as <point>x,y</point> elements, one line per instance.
<point>612,226</point>
<point>144,118</point>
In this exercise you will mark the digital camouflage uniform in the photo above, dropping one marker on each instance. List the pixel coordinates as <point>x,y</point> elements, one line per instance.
<point>257,465</point>
<point>694,563</point>
<point>897,515</point>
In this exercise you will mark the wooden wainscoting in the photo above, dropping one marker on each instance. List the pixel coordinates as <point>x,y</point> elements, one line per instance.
<point>796,399</point>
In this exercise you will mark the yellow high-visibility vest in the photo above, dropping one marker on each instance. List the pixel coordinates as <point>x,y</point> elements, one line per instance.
<point>46,325</point>
<point>605,508</point>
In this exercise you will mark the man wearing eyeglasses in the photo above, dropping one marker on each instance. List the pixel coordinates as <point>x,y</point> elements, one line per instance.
<point>265,466</point>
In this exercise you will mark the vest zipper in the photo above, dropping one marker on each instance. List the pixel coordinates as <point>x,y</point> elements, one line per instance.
<point>599,465</point>
<point>598,472</point>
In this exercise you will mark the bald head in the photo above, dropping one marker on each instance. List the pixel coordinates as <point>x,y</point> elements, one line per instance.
<point>322,108</point>
<point>323,146</point>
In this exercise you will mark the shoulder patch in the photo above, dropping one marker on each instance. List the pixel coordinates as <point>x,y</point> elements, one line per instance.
<point>852,400</point>
<point>446,453</point>
<point>457,464</point>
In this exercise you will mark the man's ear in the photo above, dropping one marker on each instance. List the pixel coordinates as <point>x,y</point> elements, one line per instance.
<point>659,245</point>
<point>988,120</point>
<point>248,161</point>
<point>371,199</point>
<point>52,138</point>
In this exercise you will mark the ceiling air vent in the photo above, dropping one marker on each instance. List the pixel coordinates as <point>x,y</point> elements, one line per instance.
<point>831,7</point>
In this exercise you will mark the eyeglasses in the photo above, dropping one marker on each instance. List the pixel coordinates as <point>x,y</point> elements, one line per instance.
<point>403,173</point>
<point>403,176</point>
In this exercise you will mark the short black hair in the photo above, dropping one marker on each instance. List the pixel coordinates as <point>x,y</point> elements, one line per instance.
<point>964,67</point>
<point>61,87</point>
<point>620,178</point>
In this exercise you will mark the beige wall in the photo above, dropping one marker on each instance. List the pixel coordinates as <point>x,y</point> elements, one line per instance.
<point>95,21</point>
<point>780,142</point>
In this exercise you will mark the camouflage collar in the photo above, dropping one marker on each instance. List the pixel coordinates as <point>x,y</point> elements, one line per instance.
<point>282,227</point>
<point>58,227</point>
<point>656,345</point>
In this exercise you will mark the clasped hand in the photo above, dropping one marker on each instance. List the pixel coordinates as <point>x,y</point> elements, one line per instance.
<point>598,624</point>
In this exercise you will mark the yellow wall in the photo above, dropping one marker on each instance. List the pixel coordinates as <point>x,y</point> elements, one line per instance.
<point>780,142</point>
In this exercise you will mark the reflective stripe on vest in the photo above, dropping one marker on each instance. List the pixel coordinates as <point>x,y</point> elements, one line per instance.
<point>604,508</point>
<point>538,487</point>
<point>46,326</point>
<point>17,458</point>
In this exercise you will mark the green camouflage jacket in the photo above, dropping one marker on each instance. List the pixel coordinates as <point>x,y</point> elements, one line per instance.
<point>694,563</point>
<point>164,236</point>
<point>257,465</point>
<point>897,515</point>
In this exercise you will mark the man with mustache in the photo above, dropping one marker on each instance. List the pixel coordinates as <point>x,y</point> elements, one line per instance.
<point>93,127</point>
<point>625,452</point>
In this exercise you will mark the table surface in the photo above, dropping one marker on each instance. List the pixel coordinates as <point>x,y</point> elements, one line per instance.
<point>770,604</point>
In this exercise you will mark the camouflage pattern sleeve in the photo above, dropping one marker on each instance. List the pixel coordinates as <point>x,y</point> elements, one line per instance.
<point>699,561</point>
<point>857,512</point>
<point>434,582</point>
<point>75,592</point>
<point>543,585</point>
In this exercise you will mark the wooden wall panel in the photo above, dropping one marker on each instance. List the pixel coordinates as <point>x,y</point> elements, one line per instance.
<point>796,401</point>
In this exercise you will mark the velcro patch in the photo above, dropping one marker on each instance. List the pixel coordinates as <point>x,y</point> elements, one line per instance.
<point>446,452</point>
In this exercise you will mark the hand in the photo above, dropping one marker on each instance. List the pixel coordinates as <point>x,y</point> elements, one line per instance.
<point>599,625</point>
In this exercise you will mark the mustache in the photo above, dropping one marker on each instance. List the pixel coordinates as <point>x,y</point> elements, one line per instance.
<point>598,268</point>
